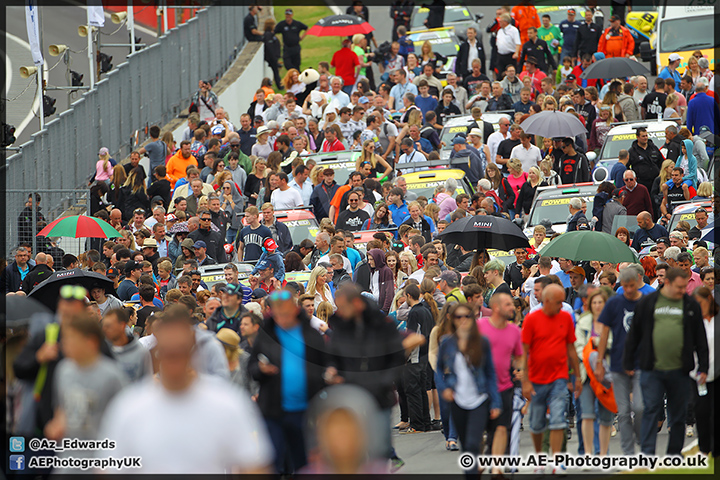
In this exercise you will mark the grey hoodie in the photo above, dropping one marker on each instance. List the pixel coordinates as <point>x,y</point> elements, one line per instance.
<point>133,359</point>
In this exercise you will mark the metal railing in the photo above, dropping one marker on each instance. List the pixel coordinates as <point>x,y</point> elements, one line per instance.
<point>152,86</point>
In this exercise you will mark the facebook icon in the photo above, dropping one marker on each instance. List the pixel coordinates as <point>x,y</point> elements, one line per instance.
<point>17,462</point>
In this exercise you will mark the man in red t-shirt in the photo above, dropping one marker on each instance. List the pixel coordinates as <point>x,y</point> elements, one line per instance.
<point>548,339</point>
<point>347,65</point>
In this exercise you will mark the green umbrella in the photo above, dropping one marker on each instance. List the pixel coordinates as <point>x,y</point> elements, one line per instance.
<point>79,226</point>
<point>589,245</point>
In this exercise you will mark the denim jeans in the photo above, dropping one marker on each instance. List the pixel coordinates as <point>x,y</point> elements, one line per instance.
<point>553,397</point>
<point>578,423</point>
<point>629,427</point>
<point>676,386</point>
<point>471,425</point>
<point>286,435</point>
<point>447,421</point>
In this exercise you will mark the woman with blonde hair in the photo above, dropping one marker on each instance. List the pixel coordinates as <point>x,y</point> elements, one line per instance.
<point>549,103</point>
<point>324,311</point>
<point>292,82</point>
<point>316,176</point>
<point>408,263</point>
<point>549,175</point>
<point>169,142</point>
<point>127,239</point>
<point>693,70</point>
<point>318,287</point>
<point>601,126</point>
<point>103,168</point>
<point>428,56</point>
<point>432,210</point>
<point>414,117</point>
<point>116,182</point>
<point>671,110</point>
<point>527,192</point>
<point>368,155</point>
<point>255,180</point>
<point>665,173</point>
<point>704,191</point>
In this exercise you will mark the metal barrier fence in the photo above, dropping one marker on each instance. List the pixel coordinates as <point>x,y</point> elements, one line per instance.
<point>152,86</point>
<point>22,222</point>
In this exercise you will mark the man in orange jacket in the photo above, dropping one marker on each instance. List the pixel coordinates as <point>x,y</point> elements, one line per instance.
<point>616,40</point>
<point>179,162</point>
<point>525,16</point>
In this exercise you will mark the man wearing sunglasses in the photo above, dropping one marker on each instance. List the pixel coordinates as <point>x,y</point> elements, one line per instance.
<point>214,242</point>
<point>288,360</point>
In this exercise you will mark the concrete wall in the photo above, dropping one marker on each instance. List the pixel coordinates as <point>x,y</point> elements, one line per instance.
<point>236,88</point>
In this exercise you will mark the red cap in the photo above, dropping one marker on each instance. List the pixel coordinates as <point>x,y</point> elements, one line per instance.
<point>270,244</point>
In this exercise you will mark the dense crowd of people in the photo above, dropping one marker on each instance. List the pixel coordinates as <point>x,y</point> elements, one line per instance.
<point>462,342</point>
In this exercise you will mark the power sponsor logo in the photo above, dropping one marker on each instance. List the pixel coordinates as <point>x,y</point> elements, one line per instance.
<point>551,202</point>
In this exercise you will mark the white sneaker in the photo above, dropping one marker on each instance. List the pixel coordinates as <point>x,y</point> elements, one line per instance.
<point>539,471</point>
<point>560,470</point>
<point>689,431</point>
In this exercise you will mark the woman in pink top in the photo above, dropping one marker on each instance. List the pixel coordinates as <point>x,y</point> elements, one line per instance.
<point>516,178</point>
<point>103,167</point>
<point>445,200</point>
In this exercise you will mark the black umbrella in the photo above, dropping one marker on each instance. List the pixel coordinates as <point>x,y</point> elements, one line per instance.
<point>485,231</point>
<point>616,67</point>
<point>48,291</point>
<point>18,310</point>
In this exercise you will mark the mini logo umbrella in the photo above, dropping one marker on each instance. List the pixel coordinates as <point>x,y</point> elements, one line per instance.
<point>79,226</point>
<point>485,231</point>
<point>340,26</point>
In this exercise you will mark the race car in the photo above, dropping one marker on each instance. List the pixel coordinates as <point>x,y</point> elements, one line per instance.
<point>552,203</point>
<point>621,137</point>
<point>424,183</point>
<point>457,17</point>
<point>342,162</point>
<point>641,23</point>
<point>212,274</point>
<point>444,42</point>
<point>686,212</point>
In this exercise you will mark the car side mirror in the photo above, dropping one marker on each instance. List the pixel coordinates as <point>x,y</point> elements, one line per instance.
<point>591,156</point>
<point>479,16</point>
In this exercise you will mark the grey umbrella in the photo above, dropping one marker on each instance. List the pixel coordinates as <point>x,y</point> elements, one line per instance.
<point>553,124</point>
<point>616,67</point>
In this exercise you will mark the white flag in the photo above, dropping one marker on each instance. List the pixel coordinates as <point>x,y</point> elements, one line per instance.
<point>33,31</point>
<point>96,16</point>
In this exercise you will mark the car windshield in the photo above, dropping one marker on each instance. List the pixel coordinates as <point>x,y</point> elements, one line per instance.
<point>506,257</point>
<point>452,14</point>
<point>613,144</point>
<point>688,33</point>
<point>449,133</point>
<point>556,209</point>
<point>302,229</point>
<point>427,189</point>
<point>445,46</point>
<point>627,221</point>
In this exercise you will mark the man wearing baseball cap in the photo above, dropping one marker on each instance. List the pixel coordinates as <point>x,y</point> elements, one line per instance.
<point>617,41</point>
<point>290,30</point>
<point>449,284</point>
<point>228,315</point>
<point>203,259</point>
<point>128,287</point>
<point>670,71</point>
<point>265,278</point>
<point>271,255</point>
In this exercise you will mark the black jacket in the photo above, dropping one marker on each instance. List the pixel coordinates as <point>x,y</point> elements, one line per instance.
<point>10,278</point>
<point>513,276</point>
<point>588,38</point>
<point>361,276</point>
<point>272,47</point>
<point>36,275</point>
<point>639,340</point>
<point>540,52</point>
<point>267,343</point>
<point>214,241</point>
<point>673,148</point>
<point>130,201</point>
<point>486,128</point>
<point>525,197</point>
<point>251,109</point>
<point>320,199</point>
<point>339,277</point>
<point>367,354</point>
<point>461,65</point>
<point>646,163</point>
<point>160,187</point>
<point>442,111</point>
<point>458,261</point>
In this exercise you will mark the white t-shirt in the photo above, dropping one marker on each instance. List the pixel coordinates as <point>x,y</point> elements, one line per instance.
<point>467,396</point>
<point>290,198</point>
<point>224,421</point>
<point>494,140</point>
<point>148,341</point>
<point>529,158</point>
